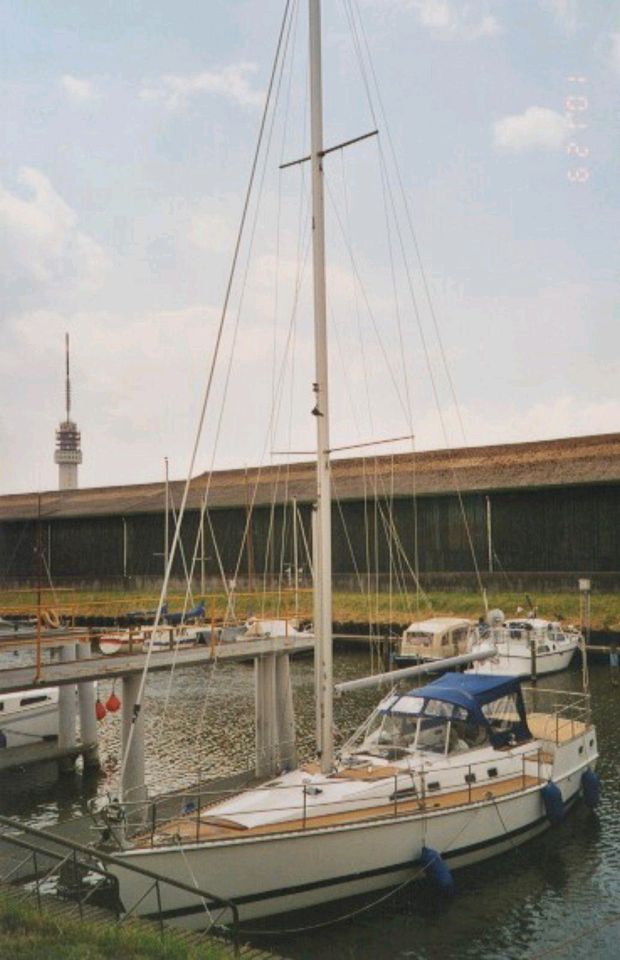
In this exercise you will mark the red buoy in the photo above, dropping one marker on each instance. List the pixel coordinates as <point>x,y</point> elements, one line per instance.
<point>100,710</point>
<point>112,704</point>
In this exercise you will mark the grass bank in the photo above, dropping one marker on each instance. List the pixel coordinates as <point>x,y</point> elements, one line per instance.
<point>26,934</point>
<point>348,607</point>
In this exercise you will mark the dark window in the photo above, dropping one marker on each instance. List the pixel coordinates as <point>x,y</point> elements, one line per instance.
<point>433,785</point>
<point>492,771</point>
<point>470,778</point>
<point>28,701</point>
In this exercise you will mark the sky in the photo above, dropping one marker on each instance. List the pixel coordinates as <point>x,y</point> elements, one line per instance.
<point>473,254</point>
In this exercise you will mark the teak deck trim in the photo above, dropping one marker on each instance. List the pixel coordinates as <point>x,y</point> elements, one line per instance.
<point>193,828</point>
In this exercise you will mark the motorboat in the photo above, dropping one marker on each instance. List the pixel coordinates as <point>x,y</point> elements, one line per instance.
<point>434,639</point>
<point>525,646</point>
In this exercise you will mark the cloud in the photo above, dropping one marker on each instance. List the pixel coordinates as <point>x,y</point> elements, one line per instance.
<point>77,89</point>
<point>538,128</point>
<point>41,243</point>
<point>565,12</point>
<point>449,19</point>
<point>231,82</point>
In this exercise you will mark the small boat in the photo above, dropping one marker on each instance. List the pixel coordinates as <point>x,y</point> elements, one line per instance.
<point>28,717</point>
<point>434,639</point>
<point>164,638</point>
<point>526,646</point>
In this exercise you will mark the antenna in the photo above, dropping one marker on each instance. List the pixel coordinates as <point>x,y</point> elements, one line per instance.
<point>68,454</point>
<point>67,378</point>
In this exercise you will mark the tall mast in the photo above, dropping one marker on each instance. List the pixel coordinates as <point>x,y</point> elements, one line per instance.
<point>323,553</point>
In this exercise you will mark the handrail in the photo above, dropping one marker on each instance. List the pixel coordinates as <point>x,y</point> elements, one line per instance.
<point>104,857</point>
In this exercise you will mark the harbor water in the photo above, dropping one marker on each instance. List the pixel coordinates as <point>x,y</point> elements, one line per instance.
<point>558,896</point>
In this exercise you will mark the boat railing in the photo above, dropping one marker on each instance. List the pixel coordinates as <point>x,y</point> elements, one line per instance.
<point>155,823</point>
<point>569,711</point>
<point>508,635</point>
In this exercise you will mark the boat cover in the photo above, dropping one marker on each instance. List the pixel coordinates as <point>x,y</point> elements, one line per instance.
<point>473,693</point>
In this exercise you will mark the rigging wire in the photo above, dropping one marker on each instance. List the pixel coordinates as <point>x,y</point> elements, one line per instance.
<point>209,383</point>
<point>405,206</point>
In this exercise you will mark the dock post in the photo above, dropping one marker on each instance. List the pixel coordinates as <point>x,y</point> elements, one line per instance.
<point>266,732</point>
<point>133,786</point>
<point>87,696</point>
<point>285,714</point>
<point>67,740</point>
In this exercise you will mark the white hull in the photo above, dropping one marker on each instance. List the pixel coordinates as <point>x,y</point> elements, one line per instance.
<point>519,664</point>
<point>276,873</point>
<point>23,725</point>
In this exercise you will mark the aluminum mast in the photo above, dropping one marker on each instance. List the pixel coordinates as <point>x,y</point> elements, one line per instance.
<point>322,527</point>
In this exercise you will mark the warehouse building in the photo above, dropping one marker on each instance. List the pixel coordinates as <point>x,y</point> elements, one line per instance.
<point>549,509</point>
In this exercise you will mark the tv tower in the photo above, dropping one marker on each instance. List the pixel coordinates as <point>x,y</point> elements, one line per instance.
<point>68,453</point>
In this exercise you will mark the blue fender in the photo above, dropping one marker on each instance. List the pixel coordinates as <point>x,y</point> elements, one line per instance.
<point>591,787</point>
<point>436,870</point>
<point>554,804</point>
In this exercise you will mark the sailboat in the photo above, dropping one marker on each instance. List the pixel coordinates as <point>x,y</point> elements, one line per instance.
<point>442,775</point>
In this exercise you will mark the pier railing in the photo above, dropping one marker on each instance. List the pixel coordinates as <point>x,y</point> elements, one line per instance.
<point>74,866</point>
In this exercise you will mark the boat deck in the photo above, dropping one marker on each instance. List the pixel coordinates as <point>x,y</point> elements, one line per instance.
<point>545,726</point>
<point>201,827</point>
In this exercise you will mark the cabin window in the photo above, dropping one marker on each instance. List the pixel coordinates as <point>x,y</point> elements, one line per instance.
<point>433,785</point>
<point>432,735</point>
<point>28,701</point>
<point>492,771</point>
<point>1,707</point>
<point>445,640</point>
<point>472,735</point>
<point>460,635</point>
<point>542,648</point>
<point>470,778</point>
<point>437,708</point>
<point>398,730</point>
<point>502,714</point>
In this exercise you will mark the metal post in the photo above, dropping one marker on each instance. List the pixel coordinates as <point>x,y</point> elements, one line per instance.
<point>265,678</point>
<point>202,556</point>
<point>285,714</point>
<point>166,519</point>
<point>489,535</point>
<point>124,522</point>
<point>87,697</point>
<point>585,587</point>
<point>295,560</point>
<point>67,697</point>
<point>323,570</point>
<point>133,787</point>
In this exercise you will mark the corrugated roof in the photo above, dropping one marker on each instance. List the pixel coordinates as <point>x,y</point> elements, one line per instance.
<point>545,463</point>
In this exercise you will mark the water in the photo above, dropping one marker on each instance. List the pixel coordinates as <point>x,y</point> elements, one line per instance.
<point>528,903</point>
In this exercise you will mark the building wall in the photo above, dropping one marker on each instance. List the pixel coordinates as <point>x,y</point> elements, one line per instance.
<point>561,529</point>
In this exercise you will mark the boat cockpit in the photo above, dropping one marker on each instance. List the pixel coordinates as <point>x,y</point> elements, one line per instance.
<point>451,715</point>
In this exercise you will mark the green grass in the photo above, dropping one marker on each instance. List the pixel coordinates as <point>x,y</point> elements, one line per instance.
<point>347,606</point>
<point>26,934</point>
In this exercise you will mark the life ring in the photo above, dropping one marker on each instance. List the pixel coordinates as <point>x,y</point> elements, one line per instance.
<point>50,619</point>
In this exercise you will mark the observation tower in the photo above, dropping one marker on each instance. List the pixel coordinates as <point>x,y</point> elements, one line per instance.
<point>68,453</point>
